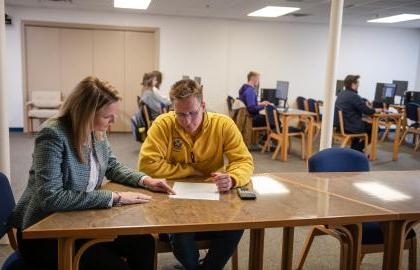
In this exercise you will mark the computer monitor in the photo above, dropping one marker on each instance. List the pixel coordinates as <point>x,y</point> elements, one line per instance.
<point>402,87</point>
<point>269,94</point>
<point>282,90</point>
<point>385,92</point>
<point>339,87</point>
<point>411,96</point>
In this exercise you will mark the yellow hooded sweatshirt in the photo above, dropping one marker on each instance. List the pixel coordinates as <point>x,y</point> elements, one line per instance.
<point>169,152</point>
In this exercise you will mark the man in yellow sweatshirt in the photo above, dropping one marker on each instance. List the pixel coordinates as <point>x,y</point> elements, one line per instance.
<point>192,142</point>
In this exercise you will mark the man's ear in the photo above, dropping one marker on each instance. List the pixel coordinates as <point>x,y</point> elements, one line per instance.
<point>203,104</point>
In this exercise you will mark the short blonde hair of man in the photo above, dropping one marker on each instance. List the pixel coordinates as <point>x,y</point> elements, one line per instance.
<point>252,74</point>
<point>186,88</point>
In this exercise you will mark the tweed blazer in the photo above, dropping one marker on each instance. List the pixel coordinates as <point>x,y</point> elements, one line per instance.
<point>58,180</point>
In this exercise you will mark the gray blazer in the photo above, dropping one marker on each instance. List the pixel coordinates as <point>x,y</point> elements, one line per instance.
<point>58,180</point>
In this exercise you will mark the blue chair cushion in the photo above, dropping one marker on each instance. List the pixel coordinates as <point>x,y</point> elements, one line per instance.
<point>293,129</point>
<point>15,261</point>
<point>372,234</point>
<point>338,160</point>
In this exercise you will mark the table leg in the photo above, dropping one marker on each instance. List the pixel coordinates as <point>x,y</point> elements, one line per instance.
<point>65,253</point>
<point>285,141</point>
<point>355,231</point>
<point>256,249</point>
<point>310,138</point>
<point>397,139</point>
<point>394,237</point>
<point>287,249</point>
<point>374,139</point>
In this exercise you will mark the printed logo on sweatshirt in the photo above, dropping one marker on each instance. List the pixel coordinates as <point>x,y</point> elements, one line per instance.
<point>177,144</point>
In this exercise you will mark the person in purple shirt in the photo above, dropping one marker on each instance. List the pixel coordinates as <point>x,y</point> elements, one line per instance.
<point>248,95</point>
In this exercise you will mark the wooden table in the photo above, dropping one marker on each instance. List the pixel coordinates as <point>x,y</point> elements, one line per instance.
<point>397,192</point>
<point>308,117</point>
<point>375,127</point>
<point>279,204</point>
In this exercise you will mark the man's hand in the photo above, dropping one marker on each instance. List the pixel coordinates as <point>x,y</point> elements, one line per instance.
<point>158,185</point>
<point>264,103</point>
<point>223,181</point>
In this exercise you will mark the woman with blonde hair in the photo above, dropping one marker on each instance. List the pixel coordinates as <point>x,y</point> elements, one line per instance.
<point>71,157</point>
<point>150,96</point>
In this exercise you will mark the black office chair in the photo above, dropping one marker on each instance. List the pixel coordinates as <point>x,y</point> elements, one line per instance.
<point>300,101</point>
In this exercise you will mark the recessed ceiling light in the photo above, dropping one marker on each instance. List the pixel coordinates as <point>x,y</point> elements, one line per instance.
<point>396,18</point>
<point>133,4</point>
<point>272,11</point>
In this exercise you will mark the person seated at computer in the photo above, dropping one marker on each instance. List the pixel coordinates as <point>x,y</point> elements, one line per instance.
<point>71,157</point>
<point>155,102</point>
<point>248,95</point>
<point>353,108</point>
<point>192,142</point>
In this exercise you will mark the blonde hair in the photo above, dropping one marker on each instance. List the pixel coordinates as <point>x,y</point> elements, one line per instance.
<point>186,88</point>
<point>80,107</point>
<point>252,74</point>
<point>147,81</point>
<point>159,77</point>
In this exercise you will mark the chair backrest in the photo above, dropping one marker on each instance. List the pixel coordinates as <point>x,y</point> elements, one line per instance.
<point>230,101</point>
<point>412,111</point>
<point>300,101</point>
<point>312,105</point>
<point>338,160</point>
<point>272,119</point>
<point>7,203</point>
<point>146,112</point>
<point>341,122</point>
<point>46,99</point>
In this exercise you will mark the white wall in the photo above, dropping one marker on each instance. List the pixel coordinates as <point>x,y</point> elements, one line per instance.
<point>417,87</point>
<point>223,51</point>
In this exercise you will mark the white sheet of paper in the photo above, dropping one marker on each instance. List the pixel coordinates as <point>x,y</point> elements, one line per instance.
<point>195,191</point>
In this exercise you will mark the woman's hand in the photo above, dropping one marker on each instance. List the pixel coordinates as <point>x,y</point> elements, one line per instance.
<point>158,185</point>
<point>122,198</point>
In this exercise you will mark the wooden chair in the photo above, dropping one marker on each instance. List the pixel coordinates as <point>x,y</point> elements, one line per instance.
<point>275,132</point>
<point>230,100</point>
<point>413,114</point>
<point>165,247</point>
<point>344,137</point>
<point>313,106</point>
<point>43,105</point>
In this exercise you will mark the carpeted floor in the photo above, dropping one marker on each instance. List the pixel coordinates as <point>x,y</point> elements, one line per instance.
<point>324,254</point>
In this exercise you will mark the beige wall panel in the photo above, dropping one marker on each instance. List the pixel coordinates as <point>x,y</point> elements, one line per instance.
<point>42,59</point>
<point>77,57</point>
<point>108,65</point>
<point>140,58</point>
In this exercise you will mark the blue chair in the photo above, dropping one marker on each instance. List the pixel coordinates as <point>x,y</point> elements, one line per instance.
<point>7,202</point>
<point>313,106</point>
<point>349,160</point>
<point>301,103</point>
<point>275,131</point>
<point>413,113</point>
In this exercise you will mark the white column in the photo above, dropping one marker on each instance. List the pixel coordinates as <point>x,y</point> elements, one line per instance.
<point>4,125</point>
<point>330,79</point>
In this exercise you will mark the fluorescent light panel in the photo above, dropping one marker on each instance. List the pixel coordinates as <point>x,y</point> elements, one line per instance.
<point>272,11</point>
<point>396,18</point>
<point>133,4</point>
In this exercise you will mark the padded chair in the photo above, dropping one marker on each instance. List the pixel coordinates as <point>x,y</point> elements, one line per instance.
<point>313,106</point>
<point>302,103</point>
<point>349,160</point>
<point>276,132</point>
<point>44,105</point>
<point>230,100</point>
<point>346,138</point>
<point>413,114</point>
<point>15,260</point>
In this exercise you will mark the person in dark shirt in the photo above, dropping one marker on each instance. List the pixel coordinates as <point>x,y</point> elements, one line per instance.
<point>248,95</point>
<point>353,107</point>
